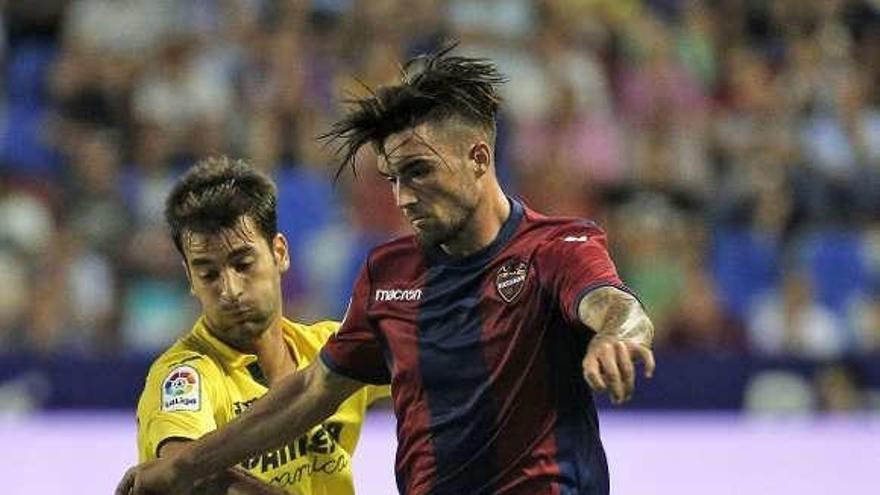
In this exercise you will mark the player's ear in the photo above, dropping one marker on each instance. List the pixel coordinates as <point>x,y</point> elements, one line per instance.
<point>281,252</point>
<point>481,157</point>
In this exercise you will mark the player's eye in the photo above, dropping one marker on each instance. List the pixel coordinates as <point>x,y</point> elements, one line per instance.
<point>243,266</point>
<point>209,275</point>
<point>417,171</point>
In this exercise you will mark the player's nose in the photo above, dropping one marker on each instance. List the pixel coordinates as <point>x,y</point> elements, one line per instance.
<point>403,194</point>
<point>231,285</point>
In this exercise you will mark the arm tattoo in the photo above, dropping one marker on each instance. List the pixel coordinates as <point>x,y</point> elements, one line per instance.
<point>611,311</point>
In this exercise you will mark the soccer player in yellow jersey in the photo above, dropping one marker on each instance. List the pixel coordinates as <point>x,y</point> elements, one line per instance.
<point>222,217</point>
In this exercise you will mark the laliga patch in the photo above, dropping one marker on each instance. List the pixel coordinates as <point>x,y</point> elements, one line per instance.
<point>511,279</point>
<point>181,390</point>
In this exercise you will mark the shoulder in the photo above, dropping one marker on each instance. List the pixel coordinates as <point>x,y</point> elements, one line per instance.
<point>182,373</point>
<point>316,333</point>
<point>182,361</point>
<point>399,246</point>
<point>394,256</point>
<point>551,229</point>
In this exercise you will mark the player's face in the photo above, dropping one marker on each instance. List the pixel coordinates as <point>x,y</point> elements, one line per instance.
<point>236,276</point>
<point>433,179</point>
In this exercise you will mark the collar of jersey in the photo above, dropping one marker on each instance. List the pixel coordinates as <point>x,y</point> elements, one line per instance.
<point>437,255</point>
<point>233,357</point>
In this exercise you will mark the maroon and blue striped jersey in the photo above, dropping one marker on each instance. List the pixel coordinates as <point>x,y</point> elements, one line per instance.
<point>484,354</point>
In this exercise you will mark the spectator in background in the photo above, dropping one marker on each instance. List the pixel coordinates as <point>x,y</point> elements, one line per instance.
<point>700,322</point>
<point>27,226</point>
<point>78,288</point>
<point>865,315</point>
<point>839,389</point>
<point>790,321</point>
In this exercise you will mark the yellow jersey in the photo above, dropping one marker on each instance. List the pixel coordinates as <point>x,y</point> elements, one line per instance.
<point>200,383</point>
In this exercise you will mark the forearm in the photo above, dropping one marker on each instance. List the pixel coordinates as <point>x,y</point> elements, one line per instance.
<point>231,481</point>
<point>288,410</point>
<point>236,482</point>
<point>611,311</point>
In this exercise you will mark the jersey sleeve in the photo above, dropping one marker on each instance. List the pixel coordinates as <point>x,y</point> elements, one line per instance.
<point>575,261</point>
<point>355,350</point>
<point>177,402</point>
<point>377,392</point>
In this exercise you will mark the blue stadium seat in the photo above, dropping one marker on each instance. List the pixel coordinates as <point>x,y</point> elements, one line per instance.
<point>836,262</point>
<point>23,148</point>
<point>744,265</point>
<point>26,71</point>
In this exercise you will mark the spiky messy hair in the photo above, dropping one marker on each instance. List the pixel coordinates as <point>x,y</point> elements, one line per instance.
<point>215,193</point>
<point>433,88</point>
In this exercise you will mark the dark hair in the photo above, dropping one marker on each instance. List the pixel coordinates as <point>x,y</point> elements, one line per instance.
<point>214,193</point>
<point>433,88</point>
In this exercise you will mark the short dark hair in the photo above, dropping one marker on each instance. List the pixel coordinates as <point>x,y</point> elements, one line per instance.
<point>433,88</point>
<point>214,193</point>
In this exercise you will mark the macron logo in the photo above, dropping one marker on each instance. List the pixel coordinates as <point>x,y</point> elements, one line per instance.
<point>398,295</point>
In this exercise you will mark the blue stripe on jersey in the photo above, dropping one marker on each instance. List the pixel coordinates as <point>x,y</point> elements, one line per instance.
<point>454,373</point>
<point>580,456</point>
<point>456,380</point>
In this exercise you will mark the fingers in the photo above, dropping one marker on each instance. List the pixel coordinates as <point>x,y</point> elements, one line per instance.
<point>127,483</point>
<point>610,366</point>
<point>592,373</point>
<point>647,357</point>
<point>611,373</point>
<point>627,370</point>
<point>601,371</point>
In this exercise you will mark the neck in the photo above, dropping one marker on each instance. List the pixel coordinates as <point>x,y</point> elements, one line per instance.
<point>483,226</point>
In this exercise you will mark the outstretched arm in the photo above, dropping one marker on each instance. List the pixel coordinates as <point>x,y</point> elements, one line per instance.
<point>231,481</point>
<point>297,403</point>
<point>624,334</point>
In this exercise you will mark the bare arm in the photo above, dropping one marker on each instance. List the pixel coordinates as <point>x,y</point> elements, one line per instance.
<point>232,481</point>
<point>297,403</point>
<point>624,333</point>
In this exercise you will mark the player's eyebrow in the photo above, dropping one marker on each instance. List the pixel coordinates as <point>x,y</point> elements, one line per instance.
<point>201,261</point>
<point>238,252</point>
<point>401,165</point>
<point>241,252</point>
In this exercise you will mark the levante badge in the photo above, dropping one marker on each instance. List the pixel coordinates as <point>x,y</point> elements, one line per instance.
<point>511,279</point>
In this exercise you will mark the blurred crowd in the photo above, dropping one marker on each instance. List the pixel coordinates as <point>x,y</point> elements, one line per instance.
<point>731,149</point>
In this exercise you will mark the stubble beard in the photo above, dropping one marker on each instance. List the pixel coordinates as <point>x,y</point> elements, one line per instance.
<point>450,232</point>
<point>240,334</point>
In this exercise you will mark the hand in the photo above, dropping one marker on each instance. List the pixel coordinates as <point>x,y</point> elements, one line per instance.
<point>157,477</point>
<point>609,366</point>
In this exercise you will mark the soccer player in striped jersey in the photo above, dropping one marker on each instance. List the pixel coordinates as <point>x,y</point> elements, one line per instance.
<point>492,323</point>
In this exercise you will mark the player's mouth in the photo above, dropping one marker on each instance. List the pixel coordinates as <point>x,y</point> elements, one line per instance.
<point>237,311</point>
<point>417,219</point>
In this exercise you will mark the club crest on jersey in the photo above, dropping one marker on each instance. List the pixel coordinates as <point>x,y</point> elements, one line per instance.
<point>181,390</point>
<point>511,279</point>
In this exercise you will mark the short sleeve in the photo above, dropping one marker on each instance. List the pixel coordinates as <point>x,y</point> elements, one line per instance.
<point>356,350</point>
<point>575,261</point>
<point>177,402</point>
<point>377,392</point>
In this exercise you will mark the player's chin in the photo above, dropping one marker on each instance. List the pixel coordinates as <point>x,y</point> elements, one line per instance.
<point>426,237</point>
<point>431,235</point>
<point>254,327</point>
